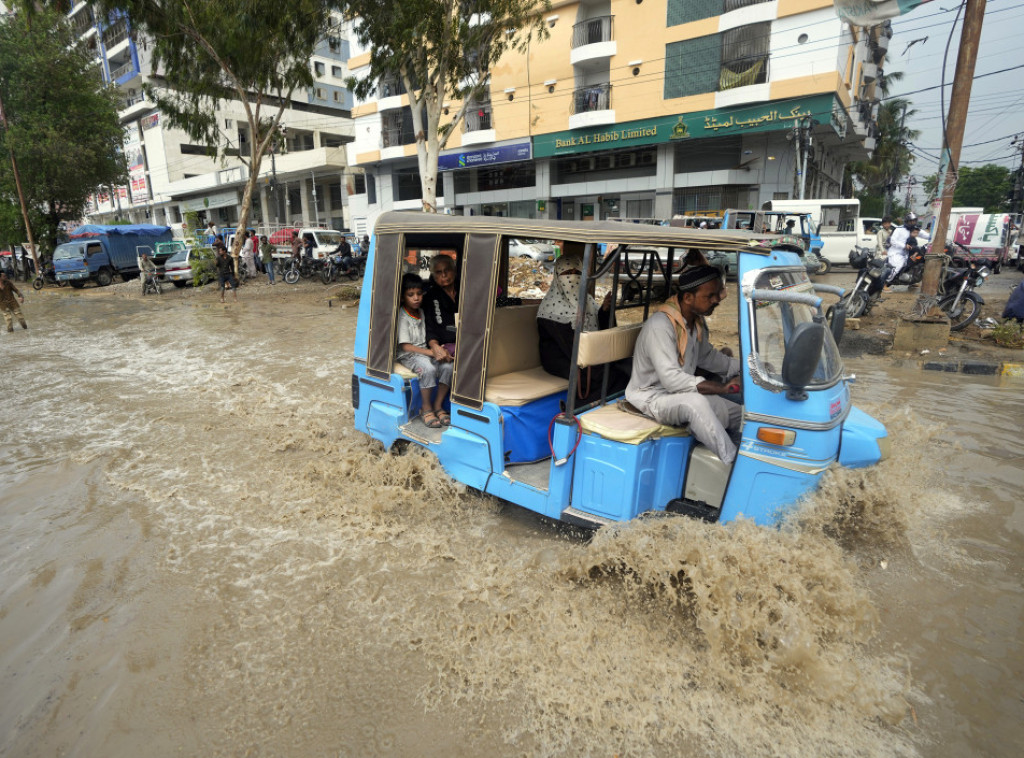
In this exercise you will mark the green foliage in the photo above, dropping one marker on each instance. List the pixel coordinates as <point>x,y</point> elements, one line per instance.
<point>1009,334</point>
<point>203,263</point>
<point>253,52</point>
<point>892,158</point>
<point>441,50</point>
<point>986,187</point>
<point>872,203</point>
<point>191,226</point>
<point>62,124</point>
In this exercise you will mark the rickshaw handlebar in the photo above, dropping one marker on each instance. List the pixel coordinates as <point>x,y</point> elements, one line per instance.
<point>784,297</point>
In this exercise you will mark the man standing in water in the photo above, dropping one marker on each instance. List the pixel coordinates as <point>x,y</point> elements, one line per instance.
<point>672,345</point>
<point>8,304</point>
<point>226,272</point>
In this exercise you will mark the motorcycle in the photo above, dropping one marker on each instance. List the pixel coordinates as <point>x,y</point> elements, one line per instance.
<point>46,277</point>
<point>913,271</point>
<point>959,301</point>
<point>870,281</point>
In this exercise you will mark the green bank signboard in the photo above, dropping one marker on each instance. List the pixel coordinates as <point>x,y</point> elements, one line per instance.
<point>753,118</point>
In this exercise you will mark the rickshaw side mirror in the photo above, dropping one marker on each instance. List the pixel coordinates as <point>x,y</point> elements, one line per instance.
<point>803,351</point>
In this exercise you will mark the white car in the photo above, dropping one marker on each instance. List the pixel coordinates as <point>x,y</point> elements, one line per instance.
<point>542,252</point>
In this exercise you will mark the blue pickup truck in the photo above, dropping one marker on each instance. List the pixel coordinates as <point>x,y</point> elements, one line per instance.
<point>97,253</point>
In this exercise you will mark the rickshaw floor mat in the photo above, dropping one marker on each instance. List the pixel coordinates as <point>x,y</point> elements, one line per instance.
<point>534,474</point>
<point>420,432</point>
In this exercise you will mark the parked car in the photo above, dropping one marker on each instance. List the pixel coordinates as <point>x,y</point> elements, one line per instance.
<point>178,268</point>
<point>727,262</point>
<point>542,252</point>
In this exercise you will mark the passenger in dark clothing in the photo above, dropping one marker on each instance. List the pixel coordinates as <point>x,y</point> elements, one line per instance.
<point>555,329</point>
<point>440,305</point>
<point>1015,305</point>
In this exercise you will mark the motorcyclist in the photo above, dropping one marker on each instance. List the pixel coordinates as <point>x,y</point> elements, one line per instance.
<point>344,249</point>
<point>898,245</point>
<point>148,269</point>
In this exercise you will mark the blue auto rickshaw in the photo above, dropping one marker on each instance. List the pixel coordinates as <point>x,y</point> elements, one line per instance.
<point>520,433</point>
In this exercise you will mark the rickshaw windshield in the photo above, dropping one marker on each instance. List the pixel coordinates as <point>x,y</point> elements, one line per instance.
<point>775,321</point>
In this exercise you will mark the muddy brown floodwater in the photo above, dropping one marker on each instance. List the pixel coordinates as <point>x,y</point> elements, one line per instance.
<point>199,556</point>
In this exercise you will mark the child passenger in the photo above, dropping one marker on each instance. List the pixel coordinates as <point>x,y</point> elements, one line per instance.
<point>418,358</point>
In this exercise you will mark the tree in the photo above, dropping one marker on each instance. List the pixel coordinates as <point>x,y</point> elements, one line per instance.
<point>988,186</point>
<point>254,52</point>
<point>61,124</point>
<point>892,157</point>
<point>441,50</point>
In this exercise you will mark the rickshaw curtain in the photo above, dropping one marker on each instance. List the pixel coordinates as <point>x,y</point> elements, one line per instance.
<point>383,306</point>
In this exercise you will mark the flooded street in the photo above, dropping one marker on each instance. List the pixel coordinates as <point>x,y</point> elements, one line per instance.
<point>199,556</point>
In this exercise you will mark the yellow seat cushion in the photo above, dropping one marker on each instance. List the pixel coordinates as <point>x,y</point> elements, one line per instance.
<point>402,371</point>
<point>614,423</point>
<point>522,387</point>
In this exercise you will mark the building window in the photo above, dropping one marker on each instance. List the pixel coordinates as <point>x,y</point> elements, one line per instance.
<point>320,94</point>
<point>407,184</point>
<point>336,72</point>
<point>319,68</point>
<point>396,128</point>
<point>743,55</point>
<point>685,11</point>
<point>359,184</point>
<point>709,198</point>
<point>194,149</point>
<point>478,115</point>
<point>337,96</point>
<point>371,189</point>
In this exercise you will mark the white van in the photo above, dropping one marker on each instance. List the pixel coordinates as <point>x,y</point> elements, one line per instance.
<point>839,224</point>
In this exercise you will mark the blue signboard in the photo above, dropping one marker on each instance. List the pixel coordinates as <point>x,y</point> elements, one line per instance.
<point>519,151</point>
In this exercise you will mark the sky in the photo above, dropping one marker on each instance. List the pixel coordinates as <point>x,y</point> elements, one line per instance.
<point>996,112</point>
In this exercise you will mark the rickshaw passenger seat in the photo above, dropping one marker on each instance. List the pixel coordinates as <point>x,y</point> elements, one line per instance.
<point>622,422</point>
<point>514,373</point>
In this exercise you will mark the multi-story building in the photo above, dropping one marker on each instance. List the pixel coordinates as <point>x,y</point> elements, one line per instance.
<point>303,183</point>
<point>642,109</point>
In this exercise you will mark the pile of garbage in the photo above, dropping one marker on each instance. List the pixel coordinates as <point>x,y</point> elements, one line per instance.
<point>528,279</point>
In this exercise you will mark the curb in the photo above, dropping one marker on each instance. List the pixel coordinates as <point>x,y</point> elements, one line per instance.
<point>976,368</point>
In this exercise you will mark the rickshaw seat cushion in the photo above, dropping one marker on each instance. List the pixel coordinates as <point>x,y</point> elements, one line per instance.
<point>607,345</point>
<point>404,371</point>
<point>514,373</point>
<point>522,387</point>
<point>622,423</point>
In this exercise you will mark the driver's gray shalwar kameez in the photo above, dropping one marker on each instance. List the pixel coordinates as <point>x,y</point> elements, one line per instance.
<point>666,390</point>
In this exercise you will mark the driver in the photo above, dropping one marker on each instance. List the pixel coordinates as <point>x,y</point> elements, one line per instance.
<point>148,269</point>
<point>672,345</point>
<point>898,242</point>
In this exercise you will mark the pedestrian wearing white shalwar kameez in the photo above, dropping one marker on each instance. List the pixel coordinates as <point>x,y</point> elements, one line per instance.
<point>672,345</point>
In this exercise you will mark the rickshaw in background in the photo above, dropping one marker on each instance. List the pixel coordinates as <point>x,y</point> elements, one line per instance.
<point>521,434</point>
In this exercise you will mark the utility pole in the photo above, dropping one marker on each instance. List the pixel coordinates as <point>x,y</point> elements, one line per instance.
<point>953,139</point>
<point>21,196</point>
<point>1017,198</point>
<point>316,212</point>
<point>801,137</point>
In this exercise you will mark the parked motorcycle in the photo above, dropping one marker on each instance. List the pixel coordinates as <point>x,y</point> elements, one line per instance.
<point>959,301</point>
<point>870,281</point>
<point>46,277</point>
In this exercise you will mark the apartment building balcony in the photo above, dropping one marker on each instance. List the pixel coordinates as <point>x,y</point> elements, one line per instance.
<point>114,35</point>
<point>124,72</point>
<point>593,41</point>
<point>83,22</point>
<point>477,125</point>
<point>134,106</point>
<point>591,106</point>
<point>390,94</point>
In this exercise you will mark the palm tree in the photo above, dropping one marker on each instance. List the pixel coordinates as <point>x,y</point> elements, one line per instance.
<point>892,157</point>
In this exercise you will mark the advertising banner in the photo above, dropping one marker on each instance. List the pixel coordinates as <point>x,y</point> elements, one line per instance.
<point>872,12</point>
<point>519,151</point>
<point>981,229</point>
<point>136,158</point>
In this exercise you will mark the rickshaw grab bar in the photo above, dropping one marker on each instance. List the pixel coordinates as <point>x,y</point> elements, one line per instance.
<point>774,296</point>
<point>830,289</point>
